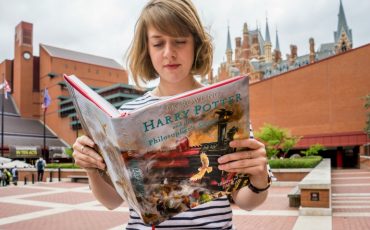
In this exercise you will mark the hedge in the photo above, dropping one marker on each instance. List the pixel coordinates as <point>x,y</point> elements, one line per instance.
<point>303,162</point>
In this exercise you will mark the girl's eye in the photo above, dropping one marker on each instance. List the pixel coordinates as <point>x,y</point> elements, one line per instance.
<point>157,44</point>
<point>180,42</point>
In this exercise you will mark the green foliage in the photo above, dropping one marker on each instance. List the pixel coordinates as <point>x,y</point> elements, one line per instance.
<point>62,165</point>
<point>367,107</point>
<point>69,151</point>
<point>276,139</point>
<point>303,162</point>
<point>271,152</point>
<point>313,150</point>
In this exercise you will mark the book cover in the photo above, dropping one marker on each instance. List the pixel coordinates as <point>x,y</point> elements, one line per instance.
<point>162,158</point>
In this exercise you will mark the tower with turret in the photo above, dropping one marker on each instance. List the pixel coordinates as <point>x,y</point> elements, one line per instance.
<point>343,35</point>
<point>267,46</point>
<point>254,55</point>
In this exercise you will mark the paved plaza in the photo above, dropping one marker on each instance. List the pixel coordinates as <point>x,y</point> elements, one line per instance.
<point>64,205</point>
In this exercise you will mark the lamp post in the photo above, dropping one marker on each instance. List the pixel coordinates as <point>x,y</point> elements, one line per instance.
<point>2,124</point>
<point>76,126</point>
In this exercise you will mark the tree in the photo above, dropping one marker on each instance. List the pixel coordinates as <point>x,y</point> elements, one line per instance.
<point>367,107</point>
<point>313,150</point>
<point>276,139</point>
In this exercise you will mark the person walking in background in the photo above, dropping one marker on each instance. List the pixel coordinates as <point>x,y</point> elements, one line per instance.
<point>8,177</point>
<point>40,166</point>
<point>2,178</point>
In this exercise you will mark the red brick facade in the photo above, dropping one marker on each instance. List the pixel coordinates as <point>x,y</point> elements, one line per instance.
<point>325,98</point>
<point>29,75</point>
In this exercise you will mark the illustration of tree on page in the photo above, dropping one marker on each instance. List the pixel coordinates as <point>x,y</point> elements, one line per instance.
<point>162,158</point>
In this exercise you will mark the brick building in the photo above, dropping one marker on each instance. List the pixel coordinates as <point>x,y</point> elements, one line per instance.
<point>323,102</point>
<point>319,95</point>
<point>254,56</point>
<point>28,76</point>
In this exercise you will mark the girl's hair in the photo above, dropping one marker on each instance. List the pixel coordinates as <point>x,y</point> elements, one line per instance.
<point>176,18</point>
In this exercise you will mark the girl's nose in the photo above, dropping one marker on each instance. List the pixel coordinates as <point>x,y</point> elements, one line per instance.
<point>169,51</point>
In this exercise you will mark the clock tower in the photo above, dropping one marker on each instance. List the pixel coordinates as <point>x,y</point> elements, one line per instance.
<point>25,94</point>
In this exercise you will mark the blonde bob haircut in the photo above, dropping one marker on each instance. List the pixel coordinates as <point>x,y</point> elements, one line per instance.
<point>175,18</point>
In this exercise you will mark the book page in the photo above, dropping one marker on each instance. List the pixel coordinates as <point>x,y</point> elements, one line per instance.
<point>170,148</point>
<point>98,126</point>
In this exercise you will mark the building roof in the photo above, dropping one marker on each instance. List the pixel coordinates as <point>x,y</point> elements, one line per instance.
<point>80,57</point>
<point>261,41</point>
<point>20,131</point>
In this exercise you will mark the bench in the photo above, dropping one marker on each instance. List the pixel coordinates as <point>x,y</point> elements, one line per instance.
<point>295,197</point>
<point>85,179</point>
<point>315,191</point>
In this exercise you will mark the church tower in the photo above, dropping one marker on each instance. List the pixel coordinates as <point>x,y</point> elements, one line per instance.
<point>267,46</point>
<point>229,51</point>
<point>343,35</point>
<point>25,88</point>
<point>245,46</point>
<point>277,52</point>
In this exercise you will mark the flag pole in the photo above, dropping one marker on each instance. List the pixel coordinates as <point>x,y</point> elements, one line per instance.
<point>45,105</point>
<point>44,148</point>
<point>2,119</point>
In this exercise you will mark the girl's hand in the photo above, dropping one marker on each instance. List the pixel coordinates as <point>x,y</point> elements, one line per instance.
<point>251,159</point>
<point>85,156</point>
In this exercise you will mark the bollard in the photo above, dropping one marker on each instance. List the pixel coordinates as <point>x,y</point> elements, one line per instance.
<point>51,176</point>
<point>59,174</point>
<point>25,180</point>
<point>33,178</point>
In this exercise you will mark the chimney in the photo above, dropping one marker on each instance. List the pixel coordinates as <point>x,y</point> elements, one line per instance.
<point>293,54</point>
<point>312,50</point>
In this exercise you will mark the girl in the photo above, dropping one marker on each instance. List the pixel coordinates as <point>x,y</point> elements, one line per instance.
<point>171,44</point>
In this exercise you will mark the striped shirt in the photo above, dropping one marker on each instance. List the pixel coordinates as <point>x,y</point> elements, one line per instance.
<point>216,214</point>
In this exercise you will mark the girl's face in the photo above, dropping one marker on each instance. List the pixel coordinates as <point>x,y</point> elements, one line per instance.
<point>172,57</point>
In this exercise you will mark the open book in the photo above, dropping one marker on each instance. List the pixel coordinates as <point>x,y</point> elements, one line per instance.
<point>162,158</point>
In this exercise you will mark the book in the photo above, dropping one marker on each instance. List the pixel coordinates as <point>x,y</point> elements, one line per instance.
<point>162,158</point>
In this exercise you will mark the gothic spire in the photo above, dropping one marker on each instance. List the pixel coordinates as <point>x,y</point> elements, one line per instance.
<point>277,46</point>
<point>267,37</point>
<point>228,45</point>
<point>342,24</point>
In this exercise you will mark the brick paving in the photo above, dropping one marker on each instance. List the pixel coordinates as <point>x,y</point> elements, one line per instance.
<point>66,205</point>
<point>351,199</point>
<point>351,223</point>
<point>64,197</point>
<point>8,209</point>
<point>72,206</point>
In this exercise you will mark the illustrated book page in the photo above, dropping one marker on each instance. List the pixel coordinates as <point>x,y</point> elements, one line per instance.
<point>162,158</point>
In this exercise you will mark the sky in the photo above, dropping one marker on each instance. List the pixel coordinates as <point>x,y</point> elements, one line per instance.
<point>105,28</point>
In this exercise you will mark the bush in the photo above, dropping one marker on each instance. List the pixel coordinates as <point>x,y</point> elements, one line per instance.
<point>304,162</point>
<point>62,165</point>
<point>313,150</point>
<point>276,139</point>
